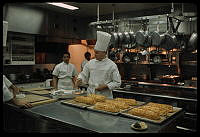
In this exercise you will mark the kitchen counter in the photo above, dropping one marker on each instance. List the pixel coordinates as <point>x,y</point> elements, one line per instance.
<point>160,85</point>
<point>84,120</point>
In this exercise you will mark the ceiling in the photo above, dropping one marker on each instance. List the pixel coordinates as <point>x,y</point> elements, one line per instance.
<point>90,9</point>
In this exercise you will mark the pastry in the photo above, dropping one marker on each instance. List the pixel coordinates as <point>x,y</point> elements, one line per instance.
<point>168,108</point>
<point>130,102</point>
<point>97,98</point>
<point>161,112</point>
<point>106,107</point>
<point>85,100</point>
<point>144,113</point>
<point>120,104</point>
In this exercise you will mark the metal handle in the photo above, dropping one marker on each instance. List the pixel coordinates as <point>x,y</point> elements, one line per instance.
<point>185,129</point>
<point>191,114</point>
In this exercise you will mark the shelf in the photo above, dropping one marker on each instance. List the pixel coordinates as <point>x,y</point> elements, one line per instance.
<point>147,63</point>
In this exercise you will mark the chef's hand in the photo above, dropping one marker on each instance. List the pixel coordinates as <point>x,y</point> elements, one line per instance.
<point>21,103</point>
<point>101,87</point>
<point>77,83</point>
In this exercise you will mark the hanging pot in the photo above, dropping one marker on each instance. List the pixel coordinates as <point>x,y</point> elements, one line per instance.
<point>156,39</point>
<point>141,38</point>
<point>114,39</point>
<point>132,40</point>
<point>192,43</point>
<point>121,38</point>
<point>169,41</point>
<point>127,38</point>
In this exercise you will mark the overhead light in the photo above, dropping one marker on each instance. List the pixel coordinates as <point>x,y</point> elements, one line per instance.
<point>63,5</point>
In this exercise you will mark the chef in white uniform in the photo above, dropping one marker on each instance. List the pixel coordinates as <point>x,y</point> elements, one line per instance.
<point>64,74</point>
<point>87,59</point>
<point>9,94</point>
<point>100,73</point>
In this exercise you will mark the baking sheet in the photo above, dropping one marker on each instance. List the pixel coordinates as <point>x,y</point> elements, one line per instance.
<point>33,98</point>
<point>74,103</point>
<point>163,118</point>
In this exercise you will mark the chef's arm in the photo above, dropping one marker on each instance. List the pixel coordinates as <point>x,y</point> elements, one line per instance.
<point>14,89</point>
<point>55,82</point>
<point>83,76</point>
<point>74,81</point>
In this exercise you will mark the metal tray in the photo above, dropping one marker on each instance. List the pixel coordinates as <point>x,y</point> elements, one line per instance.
<point>163,118</point>
<point>74,103</point>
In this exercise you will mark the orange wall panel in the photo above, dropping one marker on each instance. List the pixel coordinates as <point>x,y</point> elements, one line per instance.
<point>77,52</point>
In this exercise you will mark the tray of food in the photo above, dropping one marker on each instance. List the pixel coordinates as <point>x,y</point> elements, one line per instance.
<point>152,112</point>
<point>114,106</point>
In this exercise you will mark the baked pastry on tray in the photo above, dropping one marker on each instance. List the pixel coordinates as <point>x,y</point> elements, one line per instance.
<point>106,107</point>
<point>167,107</point>
<point>130,102</point>
<point>120,104</point>
<point>85,100</point>
<point>144,113</point>
<point>161,112</point>
<point>97,98</point>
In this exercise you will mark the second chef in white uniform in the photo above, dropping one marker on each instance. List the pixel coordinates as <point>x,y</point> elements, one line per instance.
<point>100,73</point>
<point>64,74</point>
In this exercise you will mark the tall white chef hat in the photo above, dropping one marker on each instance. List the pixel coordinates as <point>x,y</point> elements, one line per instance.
<point>103,40</point>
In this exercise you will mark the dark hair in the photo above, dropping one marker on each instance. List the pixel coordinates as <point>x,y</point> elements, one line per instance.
<point>87,54</point>
<point>66,52</point>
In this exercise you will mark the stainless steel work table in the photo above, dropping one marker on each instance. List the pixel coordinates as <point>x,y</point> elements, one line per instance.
<point>92,121</point>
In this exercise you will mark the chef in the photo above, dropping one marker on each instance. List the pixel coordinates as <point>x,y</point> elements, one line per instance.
<point>64,74</point>
<point>100,73</point>
<point>9,94</point>
<point>87,59</point>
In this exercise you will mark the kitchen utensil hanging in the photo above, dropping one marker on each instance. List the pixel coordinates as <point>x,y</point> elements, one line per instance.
<point>142,38</point>
<point>132,37</point>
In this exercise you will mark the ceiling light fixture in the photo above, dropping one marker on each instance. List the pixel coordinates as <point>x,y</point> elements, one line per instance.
<point>63,5</point>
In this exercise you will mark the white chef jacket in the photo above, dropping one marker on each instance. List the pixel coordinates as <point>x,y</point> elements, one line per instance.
<point>97,72</point>
<point>7,94</point>
<point>65,72</point>
<point>83,64</point>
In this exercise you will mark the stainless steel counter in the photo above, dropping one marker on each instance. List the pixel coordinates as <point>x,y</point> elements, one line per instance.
<point>92,121</point>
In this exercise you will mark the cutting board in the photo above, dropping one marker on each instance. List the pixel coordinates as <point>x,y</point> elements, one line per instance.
<point>32,89</point>
<point>36,100</point>
<point>40,92</point>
